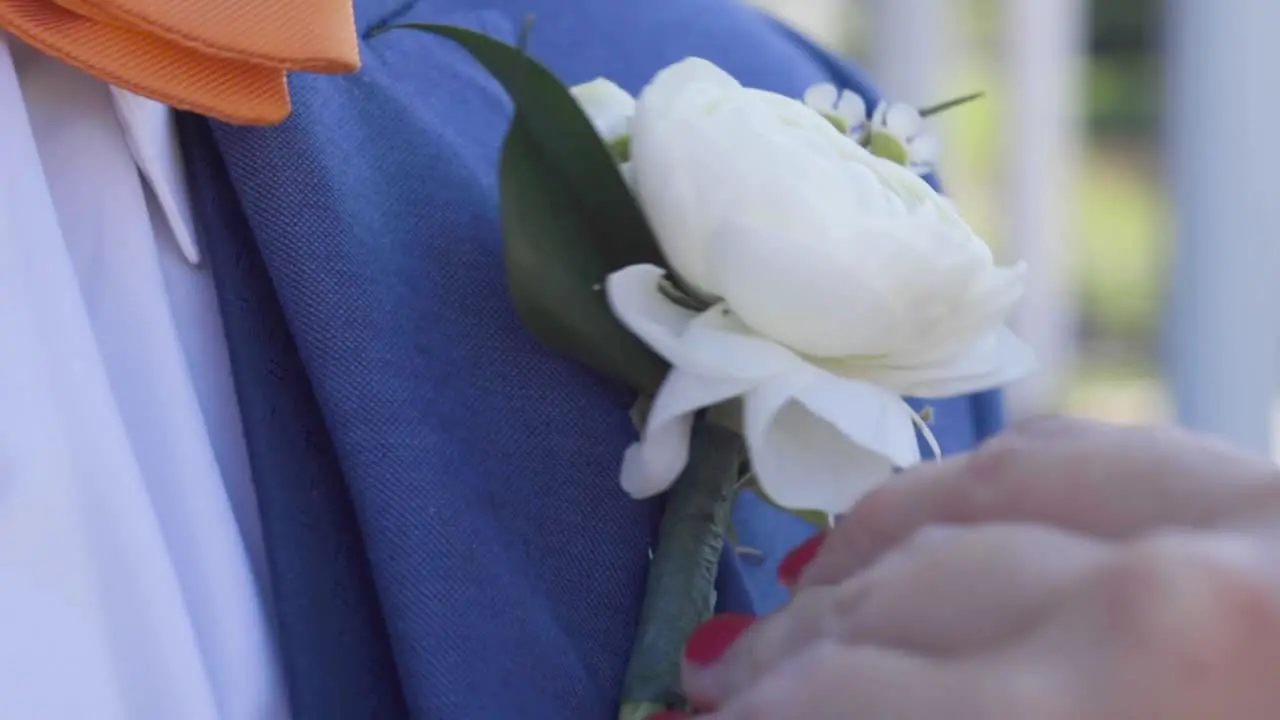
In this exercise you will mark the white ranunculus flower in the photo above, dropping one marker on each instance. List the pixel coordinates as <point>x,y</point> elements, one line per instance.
<point>843,282</point>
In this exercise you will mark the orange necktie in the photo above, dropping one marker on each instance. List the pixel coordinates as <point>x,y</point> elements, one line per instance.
<point>222,58</point>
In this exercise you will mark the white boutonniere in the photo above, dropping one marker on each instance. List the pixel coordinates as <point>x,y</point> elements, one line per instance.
<point>827,284</point>
<point>772,280</point>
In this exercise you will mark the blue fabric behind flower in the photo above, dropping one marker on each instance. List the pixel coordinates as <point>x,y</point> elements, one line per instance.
<point>446,535</point>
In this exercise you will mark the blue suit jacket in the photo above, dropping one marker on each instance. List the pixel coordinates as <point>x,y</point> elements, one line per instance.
<point>447,538</point>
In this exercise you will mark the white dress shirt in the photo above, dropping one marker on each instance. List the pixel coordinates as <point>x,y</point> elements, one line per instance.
<point>131,572</point>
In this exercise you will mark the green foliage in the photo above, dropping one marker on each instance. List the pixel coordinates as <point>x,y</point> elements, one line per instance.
<point>1124,27</point>
<point>1124,69</point>
<point>1125,252</point>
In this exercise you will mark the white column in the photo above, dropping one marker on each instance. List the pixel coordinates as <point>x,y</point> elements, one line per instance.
<point>1043,98</point>
<point>911,48</point>
<point>1222,112</point>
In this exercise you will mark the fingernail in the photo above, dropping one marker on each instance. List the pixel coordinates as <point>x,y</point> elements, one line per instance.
<point>714,637</point>
<point>793,565</point>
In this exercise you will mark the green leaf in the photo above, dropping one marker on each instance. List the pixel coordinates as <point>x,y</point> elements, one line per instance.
<point>568,218</point>
<point>556,287</point>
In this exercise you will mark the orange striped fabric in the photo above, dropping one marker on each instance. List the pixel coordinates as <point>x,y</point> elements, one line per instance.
<point>223,58</point>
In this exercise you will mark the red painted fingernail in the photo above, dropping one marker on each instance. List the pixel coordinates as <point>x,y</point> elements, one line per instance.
<point>793,565</point>
<point>715,636</point>
<point>669,715</point>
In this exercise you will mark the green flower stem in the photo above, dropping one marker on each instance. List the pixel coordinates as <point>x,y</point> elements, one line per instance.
<point>950,104</point>
<point>680,594</point>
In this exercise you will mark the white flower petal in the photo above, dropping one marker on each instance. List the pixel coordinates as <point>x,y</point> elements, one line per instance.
<point>903,120</point>
<point>983,308</point>
<point>678,149</point>
<point>877,115</point>
<point>639,479</point>
<point>608,106</point>
<point>925,150</point>
<point>852,107</point>
<point>718,338</point>
<point>692,73</point>
<point>634,297</point>
<point>972,314</point>
<point>653,464</point>
<point>992,361</point>
<point>792,125</point>
<point>818,442</point>
<point>790,284</point>
<point>871,416</point>
<point>821,97</point>
<point>713,343</point>
<point>684,393</point>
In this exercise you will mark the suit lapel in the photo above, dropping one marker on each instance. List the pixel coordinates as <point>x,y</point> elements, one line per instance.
<point>333,641</point>
<point>478,469</point>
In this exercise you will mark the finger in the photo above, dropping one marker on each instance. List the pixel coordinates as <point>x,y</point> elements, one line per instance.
<point>1181,625</point>
<point>1082,476</point>
<point>960,590</point>
<point>946,592</point>
<point>832,681</point>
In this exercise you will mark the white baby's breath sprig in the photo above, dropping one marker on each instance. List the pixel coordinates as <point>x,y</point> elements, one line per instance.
<point>898,133</point>
<point>894,131</point>
<point>845,109</point>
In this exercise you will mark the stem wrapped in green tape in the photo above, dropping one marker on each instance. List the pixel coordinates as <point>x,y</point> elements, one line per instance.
<point>680,594</point>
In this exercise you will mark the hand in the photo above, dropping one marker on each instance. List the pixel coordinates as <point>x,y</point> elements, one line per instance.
<point>1067,570</point>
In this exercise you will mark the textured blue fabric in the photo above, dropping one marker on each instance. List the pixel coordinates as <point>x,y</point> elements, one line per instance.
<point>446,535</point>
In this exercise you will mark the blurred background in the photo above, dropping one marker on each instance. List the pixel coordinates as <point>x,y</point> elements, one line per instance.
<point>1121,150</point>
